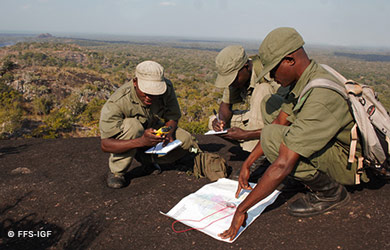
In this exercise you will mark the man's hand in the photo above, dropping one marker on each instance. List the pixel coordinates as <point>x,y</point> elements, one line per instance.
<point>243,180</point>
<point>169,137</point>
<point>239,220</point>
<point>235,134</point>
<point>218,125</point>
<point>149,139</point>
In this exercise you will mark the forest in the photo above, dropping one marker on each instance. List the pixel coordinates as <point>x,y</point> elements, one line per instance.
<point>54,87</point>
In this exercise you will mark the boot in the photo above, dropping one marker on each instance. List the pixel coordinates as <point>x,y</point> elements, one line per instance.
<point>291,185</point>
<point>115,180</point>
<point>325,195</point>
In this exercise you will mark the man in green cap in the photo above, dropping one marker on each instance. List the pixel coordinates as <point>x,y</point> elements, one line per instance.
<point>130,118</point>
<point>308,140</point>
<point>238,76</point>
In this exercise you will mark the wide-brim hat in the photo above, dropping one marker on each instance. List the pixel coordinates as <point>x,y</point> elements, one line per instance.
<point>229,61</point>
<point>150,78</point>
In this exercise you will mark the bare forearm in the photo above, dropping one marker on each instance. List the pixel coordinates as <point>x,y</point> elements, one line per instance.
<point>116,146</point>
<point>254,155</point>
<point>271,179</point>
<point>266,185</point>
<point>281,119</point>
<point>225,112</point>
<point>252,134</point>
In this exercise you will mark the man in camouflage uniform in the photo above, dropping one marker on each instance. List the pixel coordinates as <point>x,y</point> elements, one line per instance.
<point>308,140</point>
<point>129,120</point>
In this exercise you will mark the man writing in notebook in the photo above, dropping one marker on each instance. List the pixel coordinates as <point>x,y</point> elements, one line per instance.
<point>130,119</point>
<point>238,77</point>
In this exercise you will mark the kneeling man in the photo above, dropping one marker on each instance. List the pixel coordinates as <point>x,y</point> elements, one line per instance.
<point>130,118</point>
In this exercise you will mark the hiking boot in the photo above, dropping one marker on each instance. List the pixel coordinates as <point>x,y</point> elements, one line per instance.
<point>115,180</point>
<point>290,184</point>
<point>326,194</point>
<point>152,168</point>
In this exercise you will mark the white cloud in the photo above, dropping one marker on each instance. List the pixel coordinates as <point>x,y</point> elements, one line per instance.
<point>167,4</point>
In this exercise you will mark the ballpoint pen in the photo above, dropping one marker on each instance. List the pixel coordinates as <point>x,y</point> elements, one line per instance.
<point>216,115</point>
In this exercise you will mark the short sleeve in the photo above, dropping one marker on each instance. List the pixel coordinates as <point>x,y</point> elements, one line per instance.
<point>111,119</point>
<point>320,119</point>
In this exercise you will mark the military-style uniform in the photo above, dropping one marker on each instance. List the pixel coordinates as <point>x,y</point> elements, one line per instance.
<point>258,90</point>
<point>125,117</point>
<point>320,130</point>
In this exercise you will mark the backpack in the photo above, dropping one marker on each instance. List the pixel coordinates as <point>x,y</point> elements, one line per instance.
<point>209,165</point>
<point>372,125</point>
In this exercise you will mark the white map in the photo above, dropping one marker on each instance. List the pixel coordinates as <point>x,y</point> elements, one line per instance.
<point>196,210</point>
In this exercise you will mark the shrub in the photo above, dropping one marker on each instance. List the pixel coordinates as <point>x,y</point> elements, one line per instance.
<point>11,110</point>
<point>42,105</point>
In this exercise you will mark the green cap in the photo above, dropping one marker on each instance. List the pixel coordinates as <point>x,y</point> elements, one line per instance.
<point>229,61</point>
<point>276,45</point>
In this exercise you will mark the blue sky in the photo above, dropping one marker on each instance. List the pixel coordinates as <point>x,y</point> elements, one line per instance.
<point>330,22</point>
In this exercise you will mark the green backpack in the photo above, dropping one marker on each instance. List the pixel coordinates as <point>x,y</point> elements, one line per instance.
<point>209,165</point>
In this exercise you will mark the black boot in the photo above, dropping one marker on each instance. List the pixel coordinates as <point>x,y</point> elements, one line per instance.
<point>326,194</point>
<point>115,180</point>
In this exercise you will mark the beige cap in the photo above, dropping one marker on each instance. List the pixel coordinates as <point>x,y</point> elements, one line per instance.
<point>150,77</point>
<point>229,61</point>
<point>276,45</point>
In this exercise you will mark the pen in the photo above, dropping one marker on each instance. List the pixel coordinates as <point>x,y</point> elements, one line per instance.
<point>216,115</point>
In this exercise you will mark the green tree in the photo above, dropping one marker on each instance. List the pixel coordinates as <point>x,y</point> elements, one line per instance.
<point>11,110</point>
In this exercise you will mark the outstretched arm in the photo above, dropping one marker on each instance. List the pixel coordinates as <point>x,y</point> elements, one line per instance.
<point>271,179</point>
<point>240,134</point>
<point>255,154</point>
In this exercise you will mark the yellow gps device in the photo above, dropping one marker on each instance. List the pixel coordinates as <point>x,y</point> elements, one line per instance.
<point>163,131</point>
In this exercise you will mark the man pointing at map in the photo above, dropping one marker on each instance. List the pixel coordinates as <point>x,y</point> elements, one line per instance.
<point>313,145</point>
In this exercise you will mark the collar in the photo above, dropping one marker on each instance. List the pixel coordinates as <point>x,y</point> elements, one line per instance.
<point>304,79</point>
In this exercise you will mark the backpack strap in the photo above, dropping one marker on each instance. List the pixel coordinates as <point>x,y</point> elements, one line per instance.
<point>343,91</point>
<point>323,83</point>
<point>352,147</point>
<point>359,170</point>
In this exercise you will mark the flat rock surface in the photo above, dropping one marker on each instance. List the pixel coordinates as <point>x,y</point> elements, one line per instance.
<point>58,187</point>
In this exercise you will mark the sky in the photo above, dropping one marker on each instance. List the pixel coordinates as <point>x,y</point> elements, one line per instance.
<point>322,22</point>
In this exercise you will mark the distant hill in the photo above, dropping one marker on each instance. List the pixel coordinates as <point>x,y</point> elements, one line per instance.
<point>366,57</point>
<point>45,35</point>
